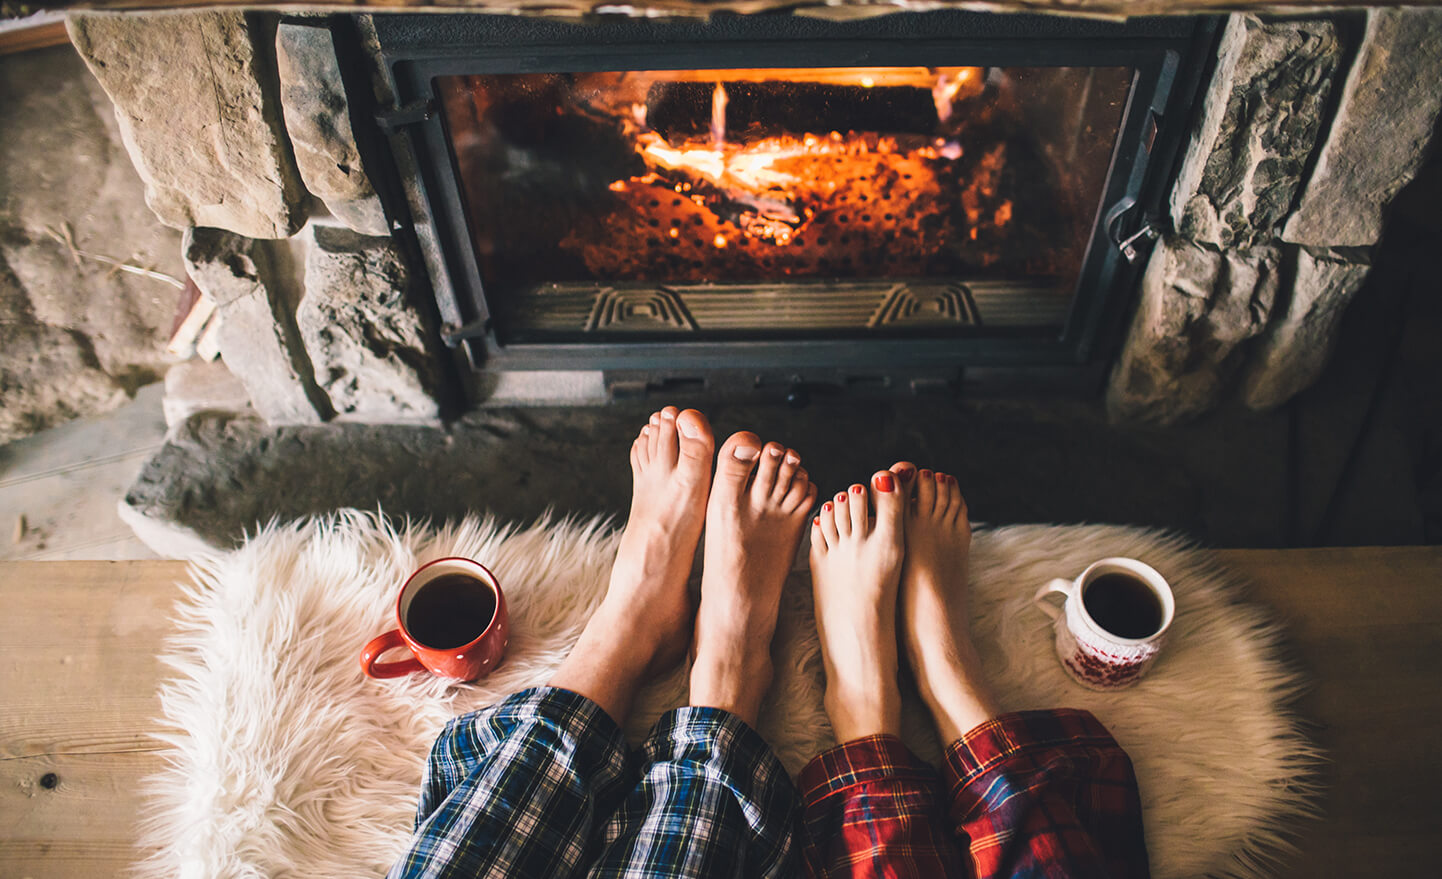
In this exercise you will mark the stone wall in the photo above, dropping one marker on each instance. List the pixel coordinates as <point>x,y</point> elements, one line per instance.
<point>77,334</point>
<point>241,130</point>
<point>1279,200</point>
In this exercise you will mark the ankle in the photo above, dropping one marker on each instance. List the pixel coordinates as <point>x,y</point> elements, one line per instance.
<point>735,682</point>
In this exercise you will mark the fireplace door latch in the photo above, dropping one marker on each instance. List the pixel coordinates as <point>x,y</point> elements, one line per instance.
<point>1116,225</point>
<point>414,113</point>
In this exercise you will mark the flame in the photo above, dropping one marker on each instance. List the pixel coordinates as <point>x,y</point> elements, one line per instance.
<point>718,116</point>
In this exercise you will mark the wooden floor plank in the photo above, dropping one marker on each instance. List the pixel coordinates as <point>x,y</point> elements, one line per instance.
<point>1366,626</point>
<point>78,645</point>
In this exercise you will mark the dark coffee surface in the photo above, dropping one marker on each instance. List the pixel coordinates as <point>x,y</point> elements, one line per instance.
<point>450,611</point>
<point>1123,605</point>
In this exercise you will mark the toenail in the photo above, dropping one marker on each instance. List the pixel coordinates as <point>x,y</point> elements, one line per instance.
<point>926,474</point>
<point>841,498</point>
<point>906,474</point>
<point>667,415</point>
<point>793,459</point>
<point>816,521</point>
<point>884,482</point>
<point>775,453</point>
<point>689,430</point>
<point>856,489</point>
<point>826,507</point>
<point>941,477</point>
<point>746,453</point>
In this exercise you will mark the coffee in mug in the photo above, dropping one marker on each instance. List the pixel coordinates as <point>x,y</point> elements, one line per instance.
<point>1110,629</point>
<point>452,618</point>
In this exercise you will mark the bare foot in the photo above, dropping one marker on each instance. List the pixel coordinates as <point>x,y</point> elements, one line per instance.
<point>935,621</point>
<point>644,622</point>
<point>855,569</point>
<point>757,509</point>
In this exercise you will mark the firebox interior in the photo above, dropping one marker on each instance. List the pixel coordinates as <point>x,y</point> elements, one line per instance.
<point>796,201</point>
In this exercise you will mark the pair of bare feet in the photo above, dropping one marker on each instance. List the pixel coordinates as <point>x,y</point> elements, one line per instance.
<point>754,510</point>
<point>890,559</point>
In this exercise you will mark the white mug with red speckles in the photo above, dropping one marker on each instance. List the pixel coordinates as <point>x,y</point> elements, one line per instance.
<point>1136,606</point>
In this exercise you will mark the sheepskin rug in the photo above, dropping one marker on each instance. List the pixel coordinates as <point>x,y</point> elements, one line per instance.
<point>286,761</point>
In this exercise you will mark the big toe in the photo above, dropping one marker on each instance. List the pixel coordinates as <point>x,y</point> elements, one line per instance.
<point>697,441</point>
<point>736,460</point>
<point>886,499</point>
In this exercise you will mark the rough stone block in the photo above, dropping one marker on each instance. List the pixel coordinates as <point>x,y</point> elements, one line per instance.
<point>1259,122</point>
<point>365,338</point>
<point>199,385</point>
<point>1384,120</point>
<point>198,113</point>
<point>258,336</point>
<point>1293,351</point>
<point>317,117</point>
<point>1197,308</point>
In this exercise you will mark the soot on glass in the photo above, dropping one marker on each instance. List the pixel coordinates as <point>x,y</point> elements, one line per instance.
<point>1123,605</point>
<point>450,611</point>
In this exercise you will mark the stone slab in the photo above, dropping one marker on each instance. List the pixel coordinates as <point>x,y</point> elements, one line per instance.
<point>198,112</point>
<point>1185,343</point>
<point>1292,352</point>
<point>259,340</point>
<point>317,118</point>
<point>1387,113</point>
<point>364,334</point>
<point>1258,125</point>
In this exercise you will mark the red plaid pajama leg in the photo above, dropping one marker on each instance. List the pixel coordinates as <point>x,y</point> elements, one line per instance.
<point>873,809</point>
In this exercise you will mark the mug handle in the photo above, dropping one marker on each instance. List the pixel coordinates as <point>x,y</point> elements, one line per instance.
<point>1065,587</point>
<point>380,645</point>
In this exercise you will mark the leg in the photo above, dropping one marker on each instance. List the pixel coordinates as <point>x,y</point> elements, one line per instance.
<point>936,625</point>
<point>1039,793</point>
<point>518,789</point>
<point>713,800</point>
<point>872,808</point>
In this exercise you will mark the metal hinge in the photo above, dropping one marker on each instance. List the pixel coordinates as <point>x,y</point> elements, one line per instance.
<point>454,334</point>
<point>413,113</point>
<point>1129,246</point>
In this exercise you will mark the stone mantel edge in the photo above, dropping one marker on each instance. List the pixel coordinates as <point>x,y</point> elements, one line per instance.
<point>835,9</point>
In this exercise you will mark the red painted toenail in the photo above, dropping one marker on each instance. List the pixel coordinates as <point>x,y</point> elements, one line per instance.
<point>826,507</point>
<point>906,474</point>
<point>856,489</point>
<point>941,477</point>
<point>926,474</point>
<point>841,498</point>
<point>816,521</point>
<point>884,482</point>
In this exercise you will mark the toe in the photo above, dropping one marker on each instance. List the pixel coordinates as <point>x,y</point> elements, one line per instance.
<point>843,514</point>
<point>736,460</point>
<point>800,493</point>
<point>790,465</point>
<point>653,434</point>
<point>860,510</point>
<point>887,499</point>
<point>764,484</point>
<point>925,493</point>
<point>668,444</point>
<point>943,495</point>
<point>905,474</point>
<point>697,444</point>
<point>828,524</point>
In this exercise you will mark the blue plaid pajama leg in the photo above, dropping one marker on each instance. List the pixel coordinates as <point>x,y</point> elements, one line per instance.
<point>518,789</point>
<point>713,801</point>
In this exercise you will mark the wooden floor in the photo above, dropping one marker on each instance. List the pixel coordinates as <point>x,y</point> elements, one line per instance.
<point>78,643</point>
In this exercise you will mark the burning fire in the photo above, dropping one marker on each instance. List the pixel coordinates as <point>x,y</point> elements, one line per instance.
<point>744,187</point>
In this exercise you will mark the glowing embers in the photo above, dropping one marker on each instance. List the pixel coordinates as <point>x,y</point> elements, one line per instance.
<point>731,189</point>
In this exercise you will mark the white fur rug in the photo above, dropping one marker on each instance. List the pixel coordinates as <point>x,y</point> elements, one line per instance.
<point>287,762</point>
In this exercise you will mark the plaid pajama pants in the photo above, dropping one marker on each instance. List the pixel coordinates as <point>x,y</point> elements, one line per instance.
<point>542,784</point>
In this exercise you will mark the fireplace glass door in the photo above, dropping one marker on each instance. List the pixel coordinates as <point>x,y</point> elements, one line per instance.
<point>781,203</point>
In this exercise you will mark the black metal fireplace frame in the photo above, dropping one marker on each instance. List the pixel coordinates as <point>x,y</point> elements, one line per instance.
<point>1169,56</point>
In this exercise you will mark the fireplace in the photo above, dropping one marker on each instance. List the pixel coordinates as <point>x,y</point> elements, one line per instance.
<point>792,201</point>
